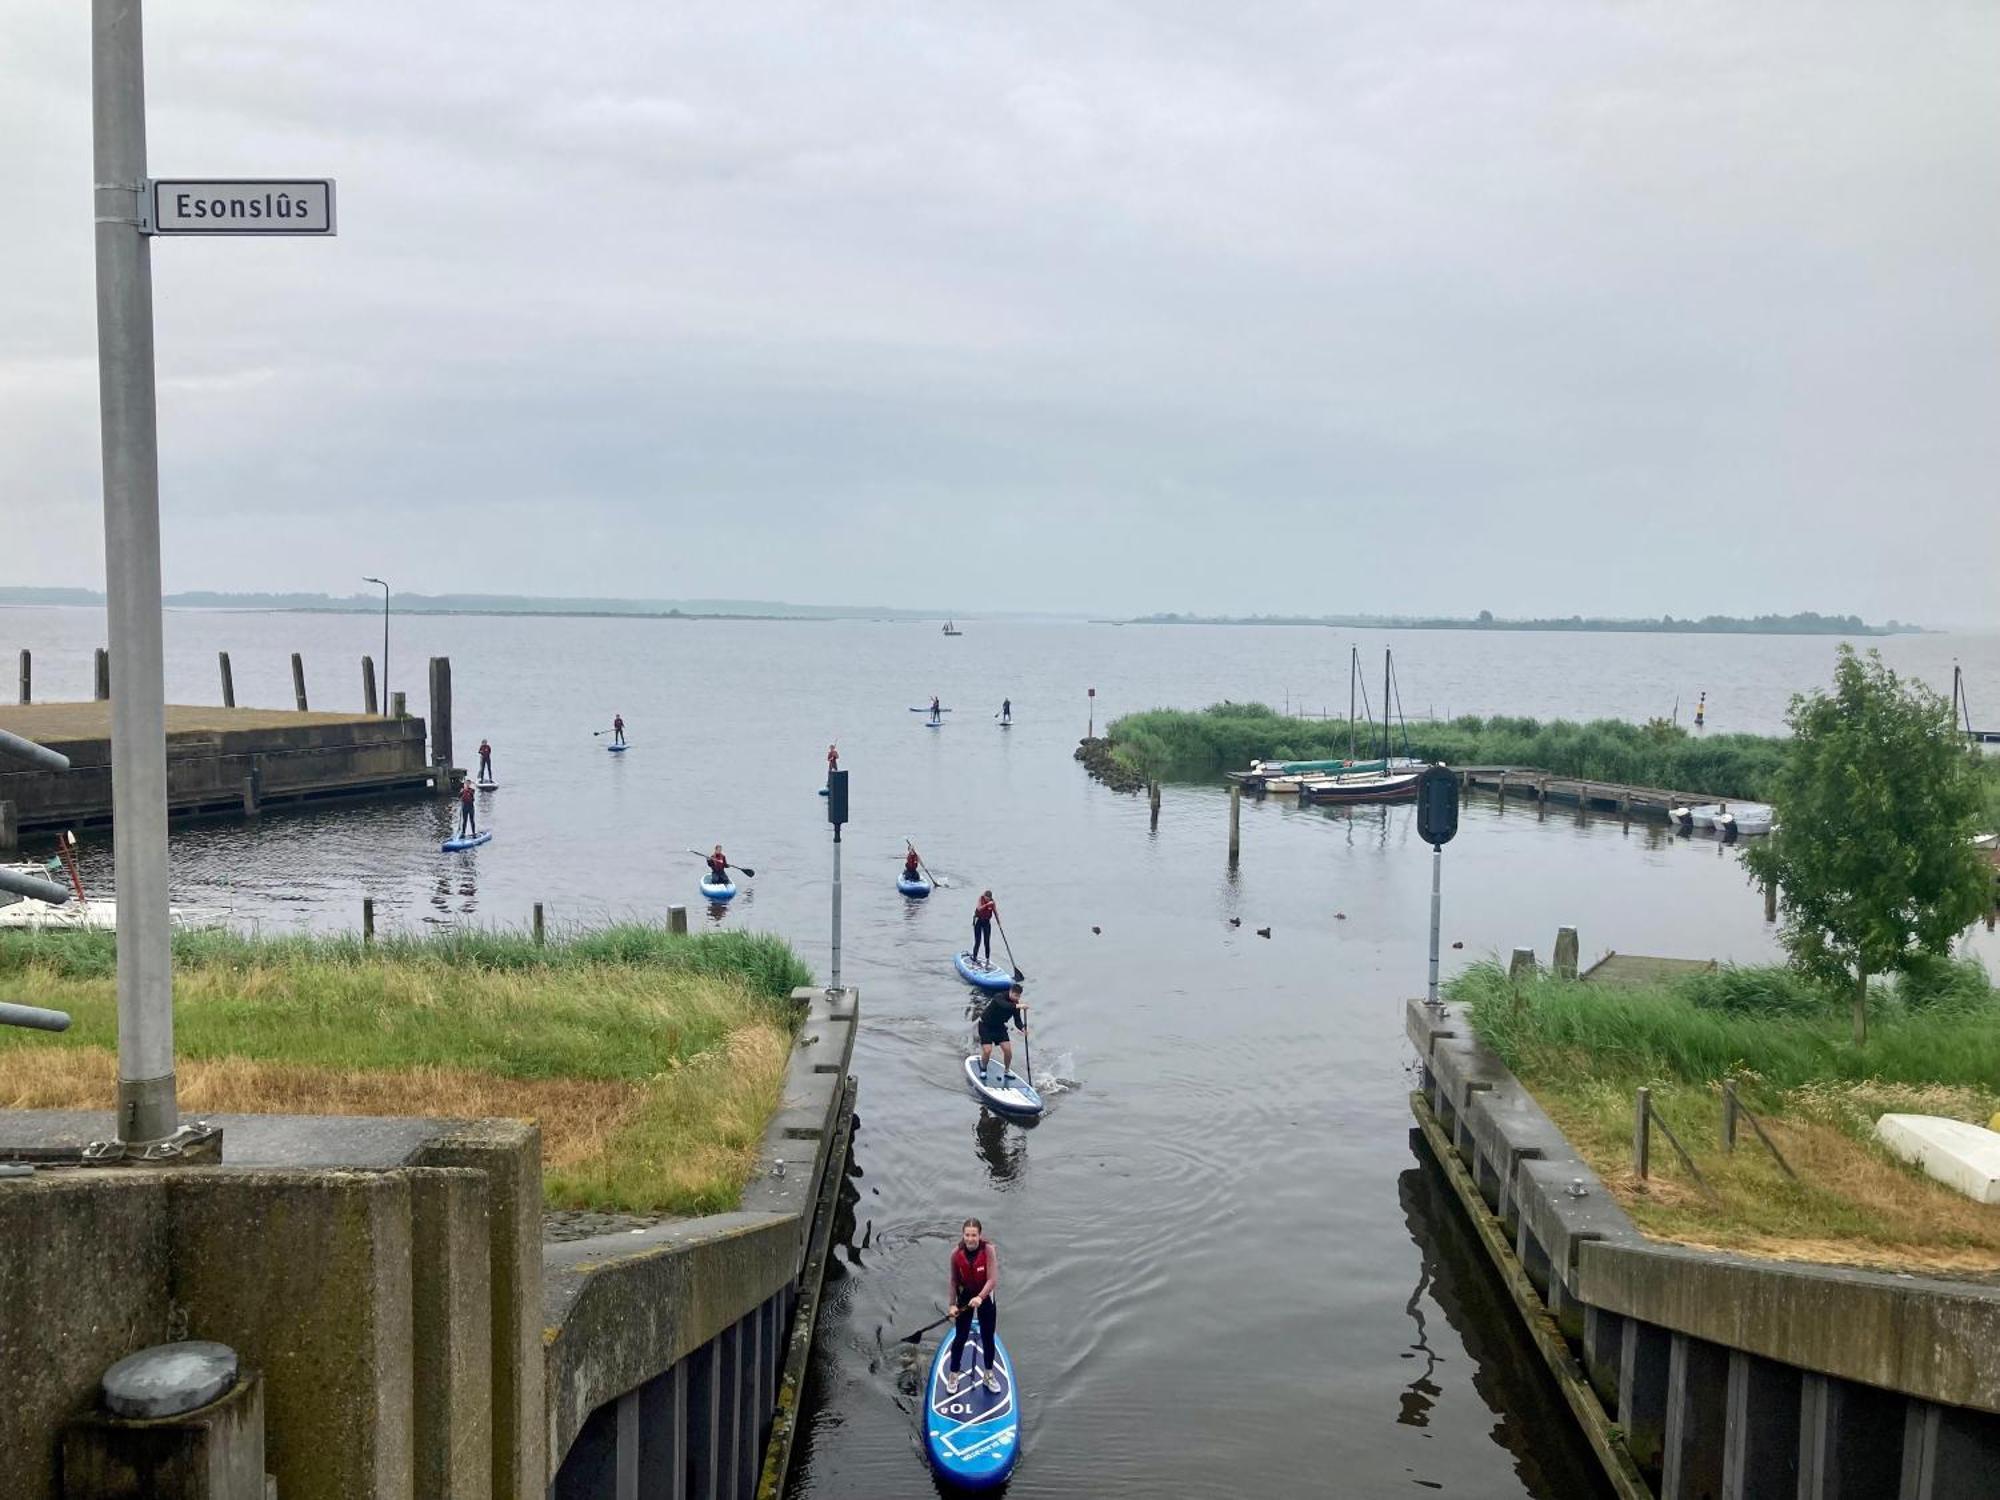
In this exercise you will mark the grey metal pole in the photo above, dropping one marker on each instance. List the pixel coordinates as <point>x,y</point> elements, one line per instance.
<point>147,1109</point>
<point>1437,906</point>
<point>836,909</point>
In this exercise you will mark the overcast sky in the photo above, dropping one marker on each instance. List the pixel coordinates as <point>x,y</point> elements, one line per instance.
<point>1537,308</point>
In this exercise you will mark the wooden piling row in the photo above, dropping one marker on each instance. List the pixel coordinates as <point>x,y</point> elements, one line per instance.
<point>228,679</point>
<point>299,680</point>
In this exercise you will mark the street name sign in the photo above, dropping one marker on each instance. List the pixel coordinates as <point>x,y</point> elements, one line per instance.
<point>238,205</point>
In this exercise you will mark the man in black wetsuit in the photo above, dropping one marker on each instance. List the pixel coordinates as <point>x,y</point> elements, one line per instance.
<point>993,1021</point>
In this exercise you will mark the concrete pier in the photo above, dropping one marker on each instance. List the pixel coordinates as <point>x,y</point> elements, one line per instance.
<point>219,760</point>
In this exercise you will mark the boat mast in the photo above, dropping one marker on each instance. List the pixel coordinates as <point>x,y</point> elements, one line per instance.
<point>1353,667</point>
<point>1385,707</point>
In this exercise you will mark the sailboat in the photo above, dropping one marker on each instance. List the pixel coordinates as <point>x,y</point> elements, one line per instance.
<point>952,629</point>
<point>1386,778</point>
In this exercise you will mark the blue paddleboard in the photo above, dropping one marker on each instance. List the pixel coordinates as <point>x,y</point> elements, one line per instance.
<point>453,846</point>
<point>926,710</point>
<point>618,749</point>
<point>985,976</point>
<point>1013,1095</point>
<point>972,1437</point>
<point>916,889</point>
<point>718,893</point>
<point>934,723</point>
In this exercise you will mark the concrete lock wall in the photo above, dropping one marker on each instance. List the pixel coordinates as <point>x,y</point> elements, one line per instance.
<point>1695,1373</point>
<point>415,1336</point>
<point>675,1355</point>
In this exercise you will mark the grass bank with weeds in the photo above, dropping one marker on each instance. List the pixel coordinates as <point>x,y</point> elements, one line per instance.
<point>1228,736</point>
<point>1933,1048</point>
<point>651,1061</point>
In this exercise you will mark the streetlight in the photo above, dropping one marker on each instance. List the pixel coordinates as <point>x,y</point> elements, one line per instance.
<point>385,639</point>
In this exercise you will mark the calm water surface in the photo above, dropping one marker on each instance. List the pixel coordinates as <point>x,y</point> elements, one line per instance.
<point>1225,1271</point>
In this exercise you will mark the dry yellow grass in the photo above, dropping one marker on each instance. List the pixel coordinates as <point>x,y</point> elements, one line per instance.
<point>1853,1204</point>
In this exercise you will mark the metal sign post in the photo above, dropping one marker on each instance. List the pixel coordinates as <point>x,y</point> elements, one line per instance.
<point>836,814</point>
<point>1437,825</point>
<point>129,207</point>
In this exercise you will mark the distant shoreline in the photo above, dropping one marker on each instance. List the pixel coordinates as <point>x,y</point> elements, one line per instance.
<point>1802,624</point>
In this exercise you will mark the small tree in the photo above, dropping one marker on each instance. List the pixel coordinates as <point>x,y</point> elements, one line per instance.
<point>1876,807</point>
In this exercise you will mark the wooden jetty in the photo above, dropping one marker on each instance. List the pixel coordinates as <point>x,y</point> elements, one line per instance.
<point>1639,968</point>
<point>1539,786</point>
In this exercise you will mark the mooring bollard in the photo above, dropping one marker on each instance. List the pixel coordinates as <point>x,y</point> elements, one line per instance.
<point>103,674</point>
<point>1235,822</point>
<point>399,704</point>
<point>677,919</point>
<point>368,700</point>
<point>1565,959</point>
<point>299,680</point>
<point>440,725</point>
<point>1522,966</point>
<point>27,675</point>
<point>228,680</point>
<point>367,919</point>
<point>538,924</point>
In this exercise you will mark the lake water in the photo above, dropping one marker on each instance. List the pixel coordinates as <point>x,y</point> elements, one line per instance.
<point>1224,1272</point>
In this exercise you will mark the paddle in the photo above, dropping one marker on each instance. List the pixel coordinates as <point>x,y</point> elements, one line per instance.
<point>726,865</point>
<point>1007,945</point>
<point>924,867</point>
<point>911,1338</point>
<point>1027,1055</point>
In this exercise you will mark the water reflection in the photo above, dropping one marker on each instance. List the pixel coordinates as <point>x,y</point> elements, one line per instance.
<point>1531,1421</point>
<point>1003,1146</point>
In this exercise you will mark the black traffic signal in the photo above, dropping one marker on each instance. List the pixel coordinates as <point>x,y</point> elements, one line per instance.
<point>1437,805</point>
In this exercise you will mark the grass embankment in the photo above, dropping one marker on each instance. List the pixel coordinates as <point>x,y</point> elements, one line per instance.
<point>1227,736</point>
<point>652,1062</point>
<point>1933,1048</point>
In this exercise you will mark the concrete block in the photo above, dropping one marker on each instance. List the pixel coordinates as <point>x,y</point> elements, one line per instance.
<point>307,1276</point>
<point>452,1322</point>
<point>509,1154</point>
<point>1760,1436</point>
<point>83,1283</point>
<point>215,1452</point>
<point>1697,1400</point>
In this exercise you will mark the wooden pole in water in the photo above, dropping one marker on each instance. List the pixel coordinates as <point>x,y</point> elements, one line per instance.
<point>228,680</point>
<point>368,695</point>
<point>367,919</point>
<point>1235,822</point>
<point>27,675</point>
<point>299,680</point>
<point>103,674</point>
<point>1770,901</point>
<point>538,925</point>
<point>1153,800</point>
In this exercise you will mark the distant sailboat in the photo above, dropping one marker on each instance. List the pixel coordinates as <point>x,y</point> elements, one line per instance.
<point>951,629</point>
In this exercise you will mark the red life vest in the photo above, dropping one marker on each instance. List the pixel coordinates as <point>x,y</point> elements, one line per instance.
<point>465,791</point>
<point>910,866</point>
<point>969,1272</point>
<point>983,912</point>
